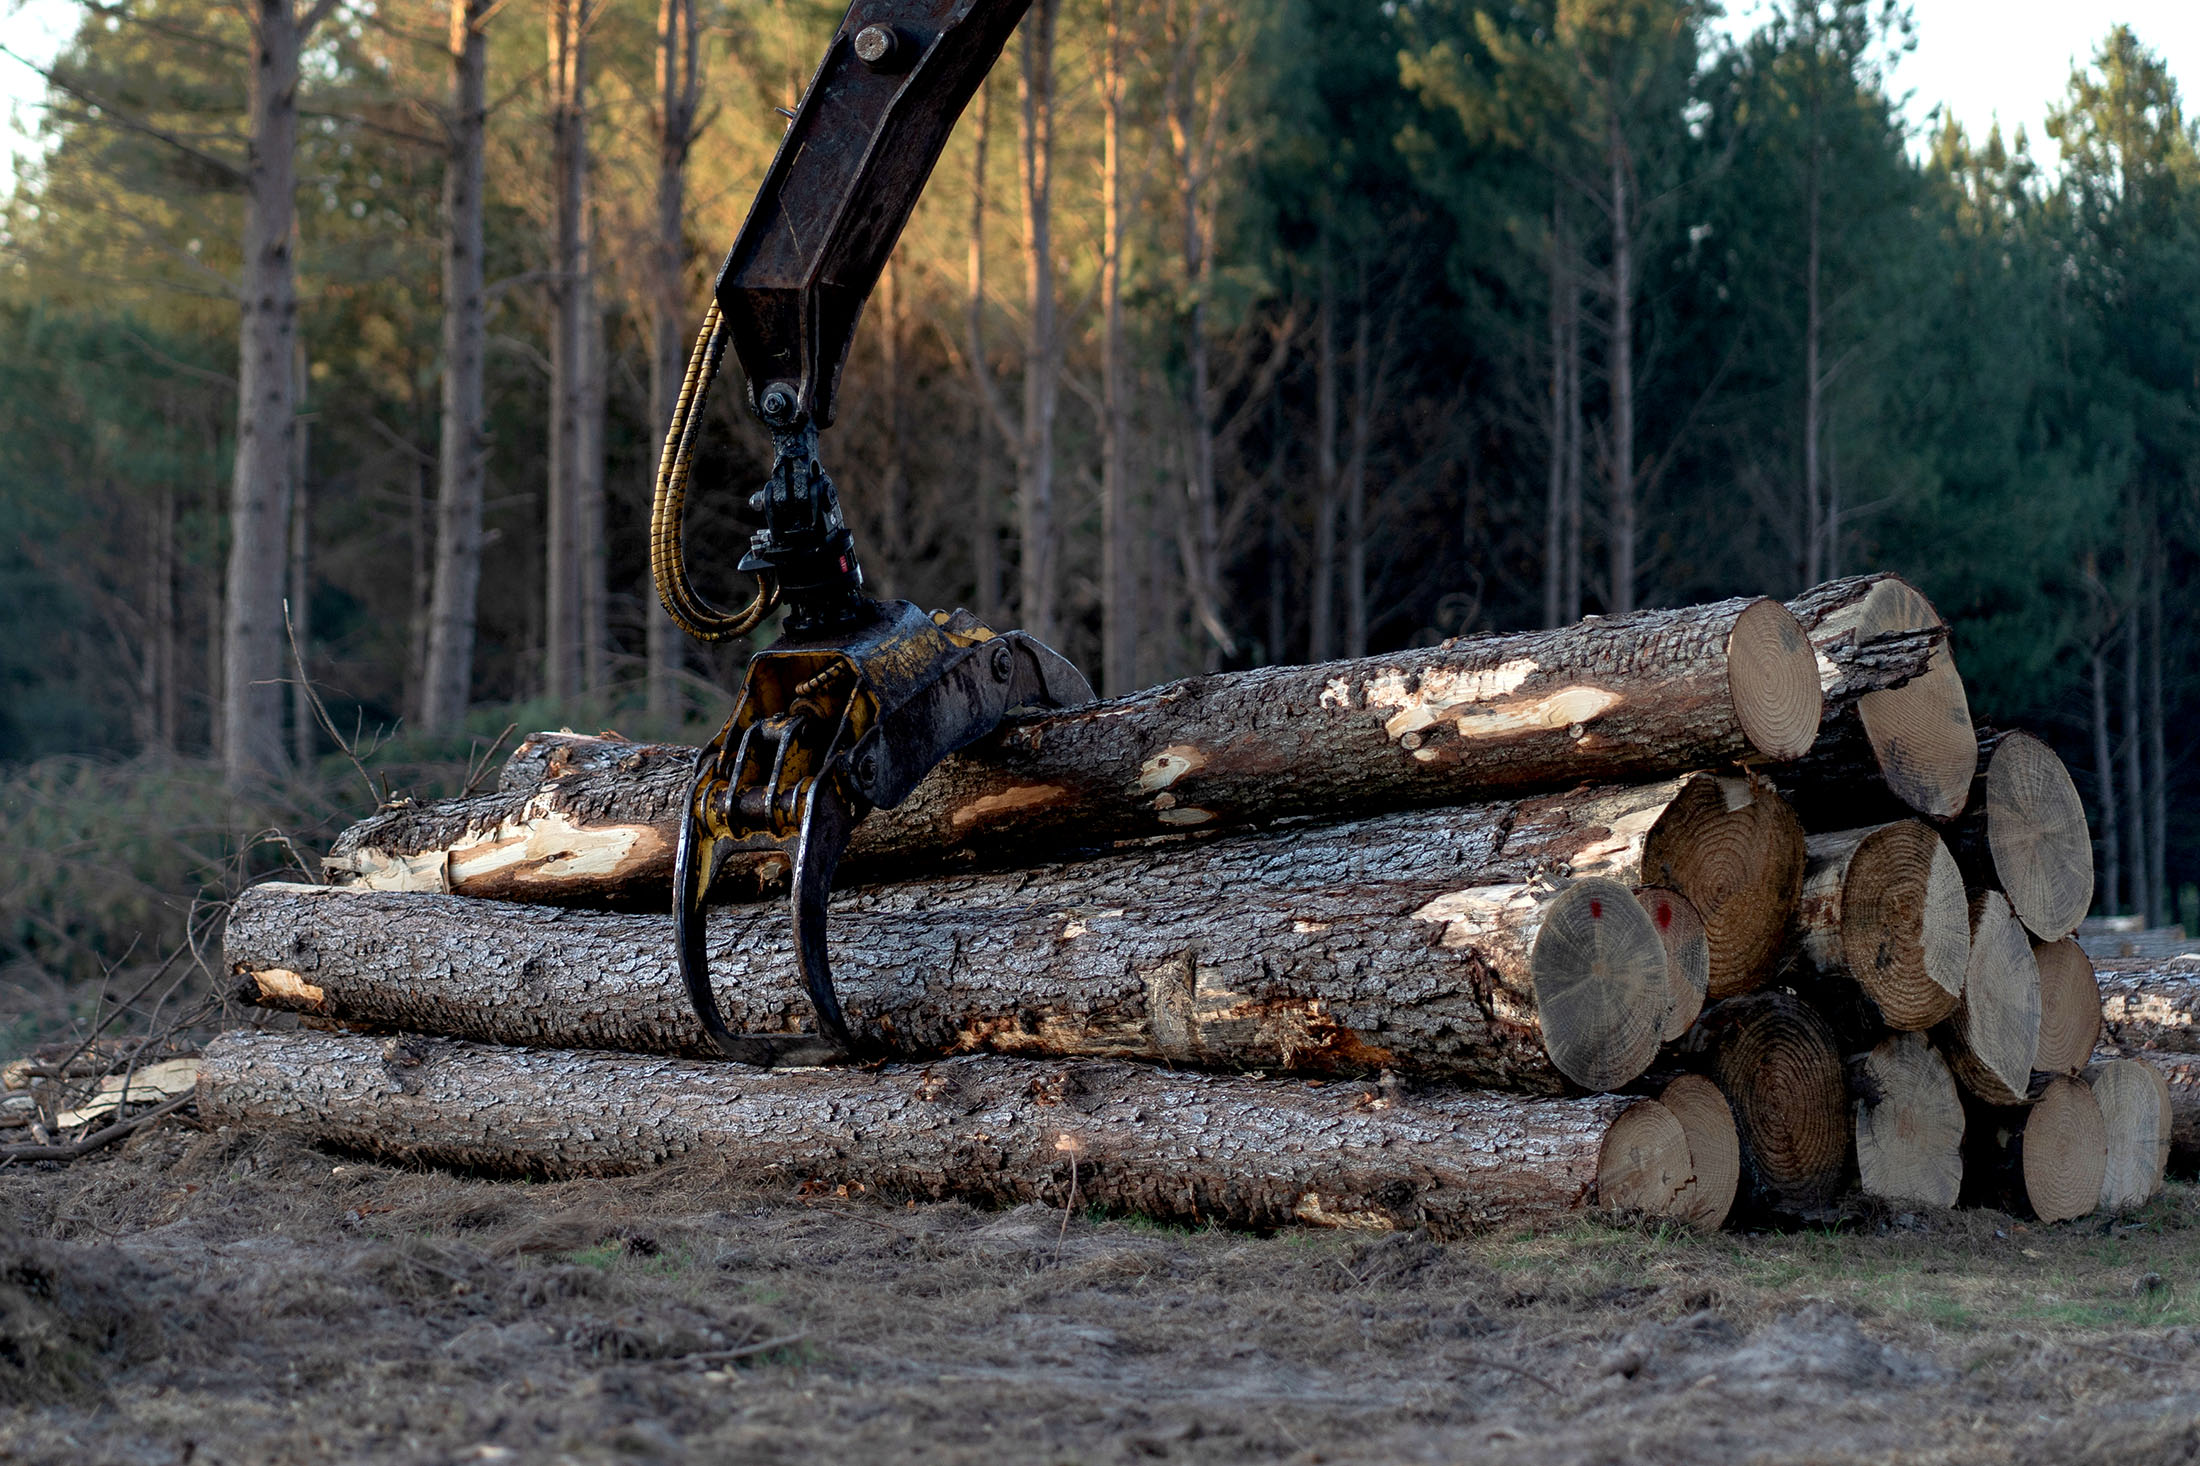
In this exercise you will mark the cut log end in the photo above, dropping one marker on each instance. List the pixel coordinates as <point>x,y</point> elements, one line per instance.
<point>1687,954</point>
<point>2135,1116</point>
<point>1773,678</point>
<point>1602,991</point>
<point>1909,1124</point>
<point>1776,1062</point>
<point>1714,1150</point>
<point>1735,850</point>
<point>1992,1039</point>
<point>1905,924</point>
<point>2065,1152</point>
<point>2070,1007</point>
<point>1644,1167</point>
<point>1921,732</point>
<point>2036,829</point>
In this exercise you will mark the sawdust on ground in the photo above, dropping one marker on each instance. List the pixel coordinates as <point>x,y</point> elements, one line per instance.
<point>217,1298</point>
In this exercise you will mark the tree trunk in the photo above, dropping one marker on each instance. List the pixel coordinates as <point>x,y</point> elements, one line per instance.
<point>1419,942</point>
<point>2165,904</point>
<point>985,555</point>
<point>461,457</point>
<point>1992,1039</point>
<point>2135,1114</point>
<point>1191,1148</point>
<point>1322,601</point>
<point>1575,435</point>
<point>1554,511</point>
<point>1919,735</point>
<point>1365,389</point>
<point>166,660</point>
<point>1118,580</point>
<point>2135,854</point>
<point>679,92</point>
<point>253,653</point>
<point>1042,351</point>
<point>2045,1161</point>
<point>1909,1123</point>
<point>2070,1007</point>
<point>1884,909</point>
<point>2104,780</point>
<point>1620,354</point>
<point>2151,1005</point>
<point>297,602</point>
<point>566,549</point>
<point>1607,700</point>
<point>1776,1062</point>
<point>588,517</point>
<point>2026,834</point>
<point>1815,526</point>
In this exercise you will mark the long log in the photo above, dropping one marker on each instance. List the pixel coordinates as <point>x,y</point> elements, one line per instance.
<point>1646,695</point>
<point>1407,941</point>
<point>1776,1062</point>
<point>1918,735</point>
<point>1132,1138</point>
<point>2148,1004</point>
<point>2135,1113</point>
<point>1909,1123</point>
<point>1714,1149</point>
<point>1884,909</point>
<point>2046,1160</point>
<point>1480,944</point>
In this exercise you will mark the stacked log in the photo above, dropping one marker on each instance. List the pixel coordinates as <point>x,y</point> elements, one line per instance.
<point>1719,911</point>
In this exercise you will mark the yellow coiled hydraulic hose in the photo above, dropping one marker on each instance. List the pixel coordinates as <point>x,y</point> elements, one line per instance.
<point>667,542</point>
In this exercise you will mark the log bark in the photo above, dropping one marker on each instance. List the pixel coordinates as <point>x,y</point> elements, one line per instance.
<point>1176,1146</point>
<point>2135,1112</point>
<point>1429,943</point>
<point>1632,697</point>
<point>2148,1004</point>
<point>1919,734</point>
<point>1992,1039</point>
<point>2070,1007</point>
<point>1909,1123</point>
<point>1776,1062</point>
<point>1884,909</point>
<point>2046,1160</point>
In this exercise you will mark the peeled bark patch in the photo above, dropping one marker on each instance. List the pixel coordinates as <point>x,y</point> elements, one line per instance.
<point>1734,849</point>
<point>1884,907</point>
<point>2036,829</point>
<point>2135,1114</point>
<point>1920,734</point>
<point>2070,1007</point>
<point>1992,1038</point>
<point>1646,695</point>
<point>1909,1124</point>
<point>1186,1147</point>
<point>2147,1004</point>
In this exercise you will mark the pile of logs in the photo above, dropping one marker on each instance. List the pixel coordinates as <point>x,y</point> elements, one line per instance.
<point>1720,911</point>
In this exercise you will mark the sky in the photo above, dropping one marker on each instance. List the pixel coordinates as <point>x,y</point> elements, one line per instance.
<point>1983,59</point>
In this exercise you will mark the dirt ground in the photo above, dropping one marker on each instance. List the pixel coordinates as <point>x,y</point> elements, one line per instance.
<point>221,1298</point>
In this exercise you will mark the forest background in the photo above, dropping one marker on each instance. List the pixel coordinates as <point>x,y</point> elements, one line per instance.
<point>335,341</point>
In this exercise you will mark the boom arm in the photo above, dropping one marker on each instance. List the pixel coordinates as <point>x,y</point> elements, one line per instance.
<point>845,180</point>
<point>860,699</point>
